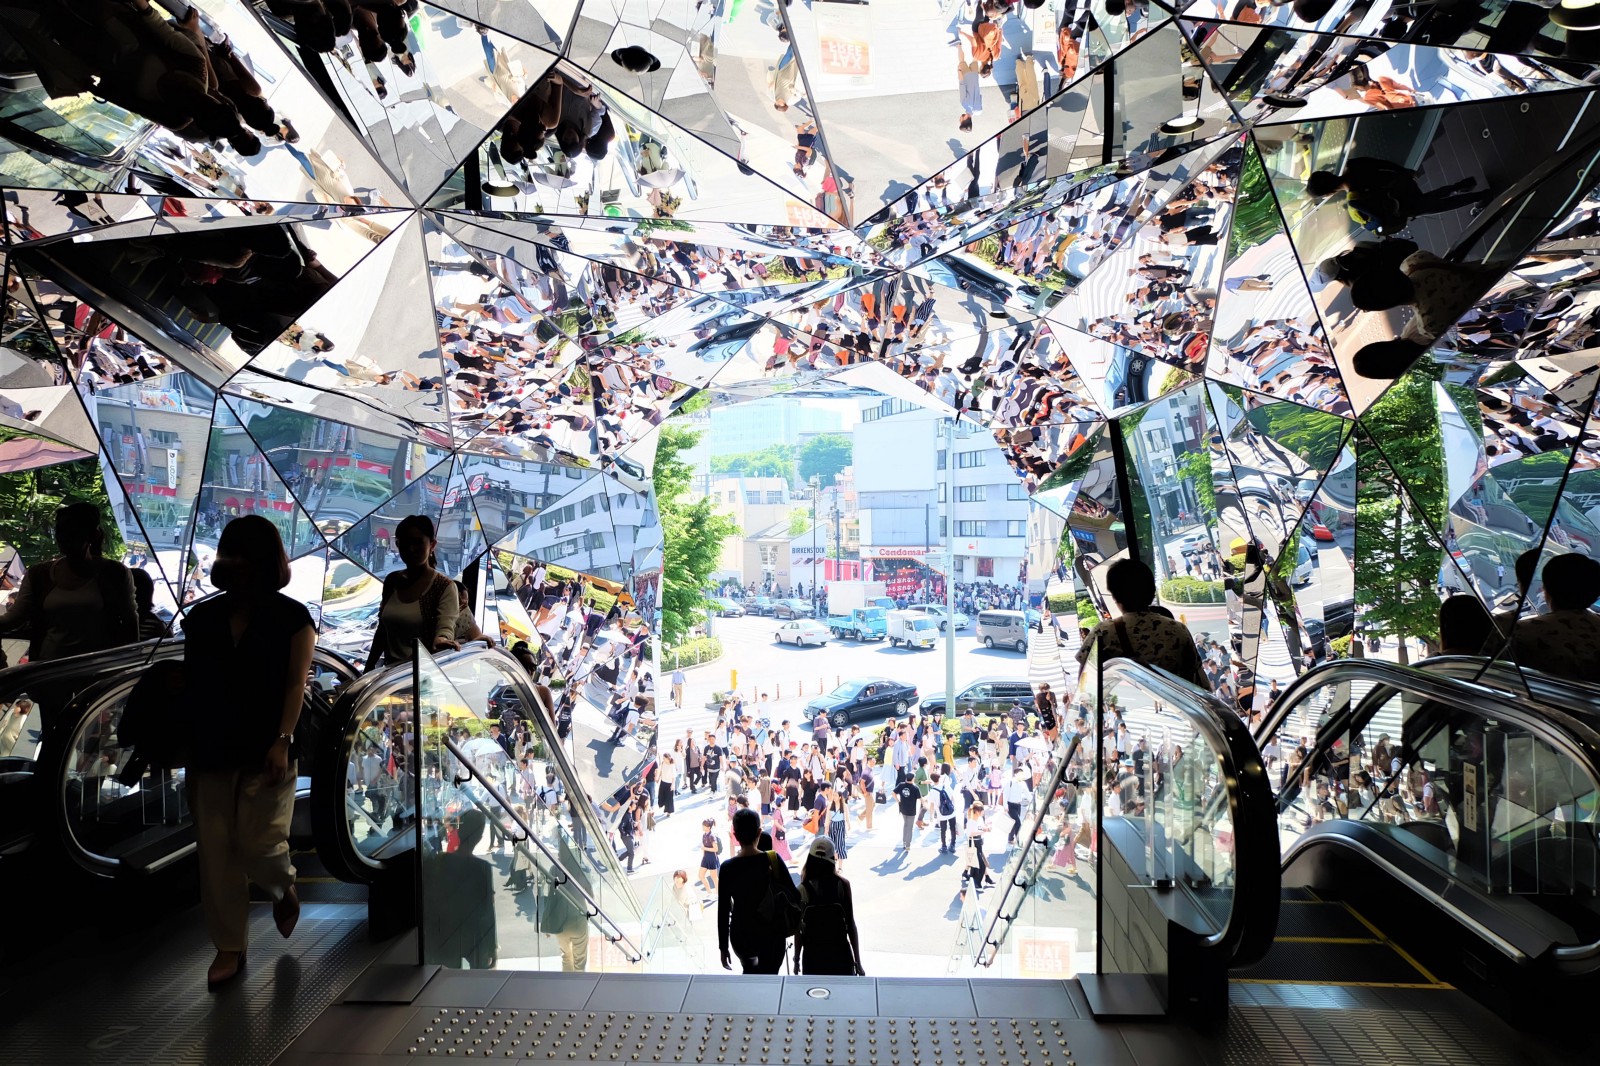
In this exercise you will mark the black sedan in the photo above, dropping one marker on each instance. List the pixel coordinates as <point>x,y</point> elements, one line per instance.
<point>761,605</point>
<point>864,698</point>
<point>791,609</point>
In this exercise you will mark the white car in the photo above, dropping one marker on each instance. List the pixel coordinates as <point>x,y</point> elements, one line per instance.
<point>937,611</point>
<point>802,631</point>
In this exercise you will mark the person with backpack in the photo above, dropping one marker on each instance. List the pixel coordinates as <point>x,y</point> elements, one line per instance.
<point>942,789</point>
<point>756,897</point>
<point>710,849</point>
<point>827,942</point>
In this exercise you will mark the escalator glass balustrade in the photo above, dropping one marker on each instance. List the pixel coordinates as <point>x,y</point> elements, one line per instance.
<point>517,869</point>
<point>1483,798</point>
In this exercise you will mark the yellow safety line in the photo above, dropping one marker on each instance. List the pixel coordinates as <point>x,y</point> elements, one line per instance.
<point>1398,950</point>
<point>1335,984</point>
<point>1326,940</point>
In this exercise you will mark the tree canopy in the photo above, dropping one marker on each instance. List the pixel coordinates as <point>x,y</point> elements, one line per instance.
<point>775,460</point>
<point>29,500</point>
<point>692,533</point>
<point>1400,505</point>
<point>825,455</point>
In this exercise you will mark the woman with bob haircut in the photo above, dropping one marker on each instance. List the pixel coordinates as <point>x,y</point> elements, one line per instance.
<point>419,603</point>
<point>79,601</point>
<point>246,656</point>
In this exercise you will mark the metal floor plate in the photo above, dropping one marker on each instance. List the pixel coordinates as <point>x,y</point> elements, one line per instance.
<point>145,1002</point>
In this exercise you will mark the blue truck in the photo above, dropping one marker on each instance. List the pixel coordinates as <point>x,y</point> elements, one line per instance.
<point>860,623</point>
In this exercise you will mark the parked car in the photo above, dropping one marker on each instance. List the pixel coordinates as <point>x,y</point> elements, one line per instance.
<point>802,631</point>
<point>791,609</point>
<point>937,611</point>
<point>726,608</point>
<point>886,602</point>
<point>864,698</point>
<point>761,605</point>
<point>1320,532</point>
<point>986,695</point>
<point>1194,543</point>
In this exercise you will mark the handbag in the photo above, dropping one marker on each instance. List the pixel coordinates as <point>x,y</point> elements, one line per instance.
<point>813,822</point>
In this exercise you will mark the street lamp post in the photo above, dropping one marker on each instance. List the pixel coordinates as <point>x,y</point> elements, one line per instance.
<point>838,529</point>
<point>816,494</point>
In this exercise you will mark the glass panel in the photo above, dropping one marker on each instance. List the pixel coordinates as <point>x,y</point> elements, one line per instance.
<point>518,871</point>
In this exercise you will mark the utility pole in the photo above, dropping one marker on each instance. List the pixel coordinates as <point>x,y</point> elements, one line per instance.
<point>949,561</point>
<point>816,495</point>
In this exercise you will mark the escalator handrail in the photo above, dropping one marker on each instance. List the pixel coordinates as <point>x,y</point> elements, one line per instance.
<point>330,769</point>
<point>1578,698</point>
<point>1570,737</point>
<point>535,710</point>
<point>1575,737</point>
<point>1257,862</point>
<point>14,680</point>
<point>989,947</point>
<point>465,763</point>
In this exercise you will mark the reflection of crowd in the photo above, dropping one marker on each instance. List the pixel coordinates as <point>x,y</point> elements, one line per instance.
<point>183,73</point>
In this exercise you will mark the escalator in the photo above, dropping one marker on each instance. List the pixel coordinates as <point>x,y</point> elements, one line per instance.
<point>111,828</point>
<point>558,884</point>
<point>1437,833</point>
<point>1187,881</point>
<point>34,718</point>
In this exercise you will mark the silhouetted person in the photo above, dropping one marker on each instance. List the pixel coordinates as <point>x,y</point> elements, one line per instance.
<point>79,601</point>
<point>246,656</point>
<point>460,893</point>
<point>827,942</point>
<point>1566,641</point>
<point>753,890</point>
<point>1465,627</point>
<point>1143,633</point>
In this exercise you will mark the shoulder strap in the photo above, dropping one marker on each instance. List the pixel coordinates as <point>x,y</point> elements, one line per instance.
<point>1122,637</point>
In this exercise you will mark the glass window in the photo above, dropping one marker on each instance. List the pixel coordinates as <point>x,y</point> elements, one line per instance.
<point>1016,492</point>
<point>752,497</point>
<point>1017,529</point>
<point>941,492</point>
<point>941,459</point>
<point>588,506</point>
<point>942,527</point>
<point>774,496</point>
<point>971,529</point>
<point>965,460</point>
<point>971,493</point>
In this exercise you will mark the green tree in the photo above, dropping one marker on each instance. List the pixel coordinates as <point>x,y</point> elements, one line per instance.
<point>1195,468</point>
<point>29,500</point>
<point>692,531</point>
<point>825,455</point>
<point>1400,503</point>
<point>799,521</point>
<point>775,460</point>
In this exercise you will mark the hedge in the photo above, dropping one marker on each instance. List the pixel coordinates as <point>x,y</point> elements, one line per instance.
<point>1340,646</point>
<point>693,652</point>
<point>1061,603</point>
<point>1191,590</point>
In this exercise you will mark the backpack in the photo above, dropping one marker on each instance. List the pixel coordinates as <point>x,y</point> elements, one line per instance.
<point>153,721</point>
<point>947,806</point>
<point>824,932</point>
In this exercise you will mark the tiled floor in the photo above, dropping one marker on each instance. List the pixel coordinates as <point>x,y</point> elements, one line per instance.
<point>718,1020</point>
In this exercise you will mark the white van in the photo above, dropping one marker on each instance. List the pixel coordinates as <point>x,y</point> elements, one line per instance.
<point>1005,628</point>
<point>914,629</point>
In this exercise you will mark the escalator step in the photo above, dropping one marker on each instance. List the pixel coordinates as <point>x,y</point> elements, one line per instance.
<point>1332,963</point>
<point>1330,920</point>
